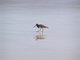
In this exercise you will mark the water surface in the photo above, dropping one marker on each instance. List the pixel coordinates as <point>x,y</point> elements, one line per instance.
<point>17,33</point>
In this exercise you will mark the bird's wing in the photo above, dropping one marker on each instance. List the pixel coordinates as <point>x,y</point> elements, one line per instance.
<point>43,25</point>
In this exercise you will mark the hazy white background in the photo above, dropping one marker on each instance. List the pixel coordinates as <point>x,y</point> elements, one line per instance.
<point>17,19</point>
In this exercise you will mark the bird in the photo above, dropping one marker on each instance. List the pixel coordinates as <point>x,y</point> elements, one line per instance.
<point>41,26</point>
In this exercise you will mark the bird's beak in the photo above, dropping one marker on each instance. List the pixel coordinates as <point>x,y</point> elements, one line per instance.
<point>34,26</point>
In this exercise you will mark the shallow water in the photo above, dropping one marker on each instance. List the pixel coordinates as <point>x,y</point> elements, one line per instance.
<point>17,34</point>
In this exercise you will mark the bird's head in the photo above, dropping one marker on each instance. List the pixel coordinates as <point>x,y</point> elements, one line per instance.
<point>35,25</point>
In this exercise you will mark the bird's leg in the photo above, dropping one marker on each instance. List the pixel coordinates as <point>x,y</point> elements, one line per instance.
<point>42,31</point>
<point>39,30</point>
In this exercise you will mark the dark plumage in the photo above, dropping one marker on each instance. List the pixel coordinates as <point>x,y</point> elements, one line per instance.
<point>40,26</point>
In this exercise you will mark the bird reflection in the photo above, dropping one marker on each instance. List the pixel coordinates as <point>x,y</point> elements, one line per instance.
<point>39,36</point>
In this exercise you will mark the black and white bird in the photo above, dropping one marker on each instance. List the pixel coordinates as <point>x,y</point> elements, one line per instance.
<point>41,26</point>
